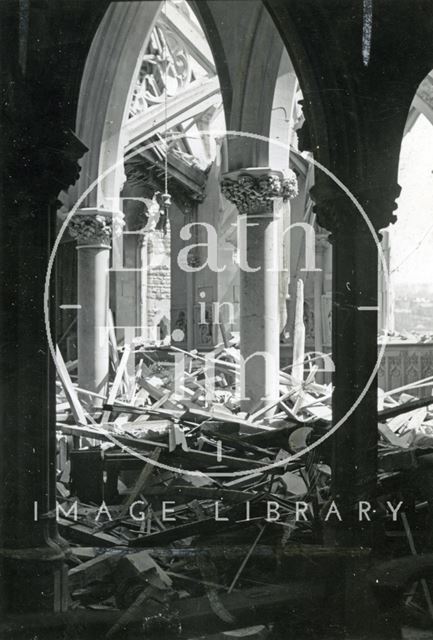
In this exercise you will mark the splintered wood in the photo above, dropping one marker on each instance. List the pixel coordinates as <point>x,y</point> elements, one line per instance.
<point>171,461</point>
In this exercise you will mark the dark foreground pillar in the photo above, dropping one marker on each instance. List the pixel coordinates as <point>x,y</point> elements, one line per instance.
<point>354,353</point>
<point>32,571</point>
<point>39,159</point>
<point>354,348</point>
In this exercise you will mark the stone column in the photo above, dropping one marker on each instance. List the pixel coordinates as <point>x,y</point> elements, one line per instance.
<point>354,353</point>
<point>92,230</point>
<point>33,575</point>
<point>257,194</point>
<point>284,279</point>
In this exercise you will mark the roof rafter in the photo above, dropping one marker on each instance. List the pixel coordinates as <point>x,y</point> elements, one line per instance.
<point>188,103</point>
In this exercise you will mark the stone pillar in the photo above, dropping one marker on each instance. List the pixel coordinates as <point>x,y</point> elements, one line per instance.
<point>257,193</point>
<point>33,575</point>
<point>354,349</point>
<point>92,229</point>
<point>284,279</point>
<point>354,353</point>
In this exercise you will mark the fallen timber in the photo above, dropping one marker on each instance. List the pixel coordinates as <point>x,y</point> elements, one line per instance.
<point>193,433</point>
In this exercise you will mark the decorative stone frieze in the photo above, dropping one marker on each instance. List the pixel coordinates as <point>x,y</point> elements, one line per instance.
<point>254,190</point>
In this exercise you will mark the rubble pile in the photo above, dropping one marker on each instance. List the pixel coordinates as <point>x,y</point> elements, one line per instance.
<point>412,337</point>
<point>157,457</point>
<point>174,499</point>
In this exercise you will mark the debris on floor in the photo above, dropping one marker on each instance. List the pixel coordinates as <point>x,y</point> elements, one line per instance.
<point>177,503</point>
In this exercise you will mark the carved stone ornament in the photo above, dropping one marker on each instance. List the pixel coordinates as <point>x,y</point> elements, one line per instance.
<point>254,190</point>
<point>166,68</point>
<point>95,227</point>
<point>337,213</point>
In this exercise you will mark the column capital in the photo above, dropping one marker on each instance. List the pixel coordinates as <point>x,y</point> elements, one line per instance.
<point>336,211</point>
<point>95,227</point>
<point>253,190</point>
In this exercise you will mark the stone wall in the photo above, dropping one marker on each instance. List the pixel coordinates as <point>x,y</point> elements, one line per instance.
<point>159,281</point>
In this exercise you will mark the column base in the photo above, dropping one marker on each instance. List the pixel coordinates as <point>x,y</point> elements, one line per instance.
<point>33,580</point>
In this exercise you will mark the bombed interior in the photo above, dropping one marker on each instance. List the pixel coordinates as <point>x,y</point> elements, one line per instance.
<point>217,326</point>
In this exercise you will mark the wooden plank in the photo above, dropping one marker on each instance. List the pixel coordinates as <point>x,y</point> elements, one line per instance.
<point>190,458</point>
<point>141,482</point>
<point>158,394</point>
<point>68,387</point>
<point>99,433</point>
<point>392,412</point>
<point>98,568</point>
<point>261,412</point>
<point>245,560</point>
<point>112,340</point>
<point>214,413</point>
<point>78,532</point>
<point>117,381</point>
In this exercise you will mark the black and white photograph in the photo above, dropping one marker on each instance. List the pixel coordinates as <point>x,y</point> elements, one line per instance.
<point>216,320</point>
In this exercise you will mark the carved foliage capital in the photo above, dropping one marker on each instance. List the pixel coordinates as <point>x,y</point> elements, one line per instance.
<point>95,228</point>
<point>253,191</point>
<point>338,213</point>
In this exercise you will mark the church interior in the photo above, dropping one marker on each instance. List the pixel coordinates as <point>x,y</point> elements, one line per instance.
<point>217,319</point>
